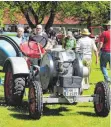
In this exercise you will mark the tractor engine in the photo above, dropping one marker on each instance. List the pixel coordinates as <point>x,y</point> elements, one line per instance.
<point>61,69</point>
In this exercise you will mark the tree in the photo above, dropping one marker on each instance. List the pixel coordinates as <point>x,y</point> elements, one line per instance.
<point>3,5</point>
<point>88,12</point>
<point>35,12</point>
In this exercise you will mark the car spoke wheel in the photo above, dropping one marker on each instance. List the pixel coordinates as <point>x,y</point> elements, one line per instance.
<point>35,100</point>
<point>102,104</point>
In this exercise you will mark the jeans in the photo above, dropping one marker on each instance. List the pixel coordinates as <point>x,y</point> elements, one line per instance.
<point>104,60</point>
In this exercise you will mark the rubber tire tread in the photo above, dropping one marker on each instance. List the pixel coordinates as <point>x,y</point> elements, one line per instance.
<point>39,100</point>
<point>106,102</point>
<point>15,99</point>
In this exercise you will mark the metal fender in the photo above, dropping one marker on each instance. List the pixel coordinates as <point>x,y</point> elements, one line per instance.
<point>19,65</point>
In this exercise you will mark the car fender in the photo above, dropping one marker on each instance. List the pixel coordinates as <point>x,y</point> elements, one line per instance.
<point>19,65</point>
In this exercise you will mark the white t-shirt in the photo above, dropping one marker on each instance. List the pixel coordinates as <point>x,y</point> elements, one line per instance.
<point>86,45</point>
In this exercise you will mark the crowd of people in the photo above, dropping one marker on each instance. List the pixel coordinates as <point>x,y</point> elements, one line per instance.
<point>85,45</point>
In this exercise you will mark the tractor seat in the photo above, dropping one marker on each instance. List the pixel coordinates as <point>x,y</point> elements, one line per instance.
<point>32,49</point>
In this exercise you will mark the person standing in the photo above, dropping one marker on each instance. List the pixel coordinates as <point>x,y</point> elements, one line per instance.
<point>70,41</point>
<point>85,45</point>
<point>51,33</point>
<point>20,35</point>
<point>60,35</point>
<point>40,36</point>
<point>104,50</point>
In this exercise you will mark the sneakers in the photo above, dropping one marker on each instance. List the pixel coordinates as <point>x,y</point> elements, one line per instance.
<point>86,86</point>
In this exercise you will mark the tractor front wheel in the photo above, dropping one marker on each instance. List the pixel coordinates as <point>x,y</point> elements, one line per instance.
<point>102,103</point>
<point>35,100</point>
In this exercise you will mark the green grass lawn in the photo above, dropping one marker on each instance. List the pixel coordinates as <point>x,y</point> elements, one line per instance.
<point>80,115</point>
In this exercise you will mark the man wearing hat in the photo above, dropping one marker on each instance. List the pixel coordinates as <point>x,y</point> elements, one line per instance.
<point>85,45</point>
<point>105,49</point>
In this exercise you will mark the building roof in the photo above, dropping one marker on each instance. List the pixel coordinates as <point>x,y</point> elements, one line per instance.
<point>20,19</point>
<point>69,20</point>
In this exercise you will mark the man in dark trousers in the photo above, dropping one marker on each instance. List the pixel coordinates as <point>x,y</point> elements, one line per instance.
<point>105,51</point>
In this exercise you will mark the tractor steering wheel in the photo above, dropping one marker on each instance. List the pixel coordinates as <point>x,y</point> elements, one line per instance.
<point>38,41</point>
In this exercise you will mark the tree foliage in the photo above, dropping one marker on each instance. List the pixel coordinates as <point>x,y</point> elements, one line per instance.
<point>88,12</point>
<point>3,5</point>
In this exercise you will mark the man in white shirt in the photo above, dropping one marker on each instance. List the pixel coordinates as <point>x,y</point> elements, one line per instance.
<point>20,35</point>
<point>86,45</point>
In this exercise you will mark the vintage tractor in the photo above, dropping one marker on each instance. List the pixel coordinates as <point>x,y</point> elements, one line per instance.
<point>58,71</point>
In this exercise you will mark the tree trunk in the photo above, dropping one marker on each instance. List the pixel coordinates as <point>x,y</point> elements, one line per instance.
<point>52,16</point>
<point>50,21</point>
<point>29,21</point>
<point>89,23</point>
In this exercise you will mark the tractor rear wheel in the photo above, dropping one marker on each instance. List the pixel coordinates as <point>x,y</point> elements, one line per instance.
<point>35,100</point>
<point>14,87</point>
<point>102,105</point>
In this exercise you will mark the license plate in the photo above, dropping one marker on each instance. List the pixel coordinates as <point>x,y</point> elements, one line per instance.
<point>71,91</point>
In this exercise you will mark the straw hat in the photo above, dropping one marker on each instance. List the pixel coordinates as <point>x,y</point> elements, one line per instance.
<point>109,23</point>
<point>85,32</point>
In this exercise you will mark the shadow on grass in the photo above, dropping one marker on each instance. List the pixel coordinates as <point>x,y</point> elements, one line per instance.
<point>47,112</point>
<point>21,116</point>
<point>2,101</point>
<point>20,109</point>
<point>21,112</point>
<point>54,112</point>
<point>87,114</point>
